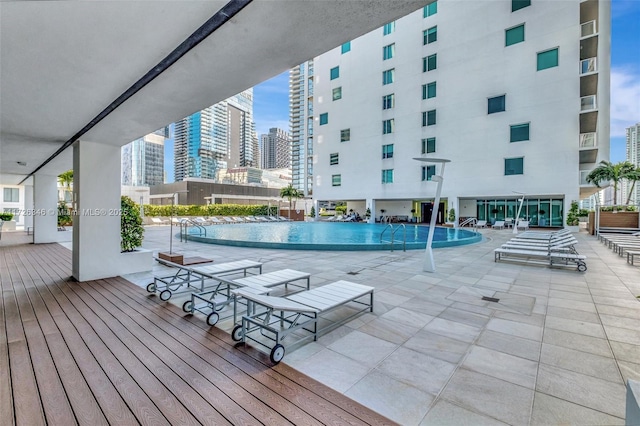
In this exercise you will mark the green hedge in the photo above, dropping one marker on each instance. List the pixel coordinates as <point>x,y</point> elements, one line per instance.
<point>6,216</point>
<point>209,210</point>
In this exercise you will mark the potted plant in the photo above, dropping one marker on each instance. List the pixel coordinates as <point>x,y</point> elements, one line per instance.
<point>10,224</point>
<point>312,214</point>
<point>413,218</point>
<point>368,213</point>
<point>452,215</point>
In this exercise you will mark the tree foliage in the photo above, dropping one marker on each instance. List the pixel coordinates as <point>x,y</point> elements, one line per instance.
<point>289,192</point>
<point>66,180</point>
<point>610,172</point>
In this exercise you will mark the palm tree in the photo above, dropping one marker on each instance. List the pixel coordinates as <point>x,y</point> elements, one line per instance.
<point>290,193</point>
<point>608,171</point>
<point>633,176</point>
<point>66,180</point>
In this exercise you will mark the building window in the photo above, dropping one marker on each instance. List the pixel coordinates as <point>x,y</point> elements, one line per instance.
<point>497,104</point>
<point>429,90</point>
<point>388,51</point>
<point>387,126</point>
<point>548,59</point>
<point>388,76</point>
<point>346,47</point>
<point>428,145</point>
<point>519,4</point>
<point>513,166</point>
<point>335,73</point>
<point>519,132</point>
<point>430,9</point>
<point>324,118</point>
<point>430,35</point>
<point>345,135</point>
<point>387,176</point>
<point>336,180</point>
<point>428,172</point>
<point>11,195</point>
<point>389,28</point>
<point>430,63</point>
<point>429,118</point>
<point>333,159</point>
<point>514,35</point>
<point>387,151</point>
<point>337,93</point>
<point>388,101</point>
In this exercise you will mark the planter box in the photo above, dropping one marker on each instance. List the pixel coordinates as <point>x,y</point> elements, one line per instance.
<point>140,260</point>
<point>9,225</point>
<point>615,220</point>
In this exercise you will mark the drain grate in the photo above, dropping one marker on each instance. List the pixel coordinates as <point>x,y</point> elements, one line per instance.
<point>353,273</point>
<point>490,299</point>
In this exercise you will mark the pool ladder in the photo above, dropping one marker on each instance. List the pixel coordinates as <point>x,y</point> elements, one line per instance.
<point>393,231</point>
<point>184,229</point>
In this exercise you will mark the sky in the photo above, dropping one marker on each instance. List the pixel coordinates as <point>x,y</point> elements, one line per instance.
<point>271,98</point>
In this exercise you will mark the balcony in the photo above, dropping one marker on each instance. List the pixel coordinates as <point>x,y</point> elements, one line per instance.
<point>588,103</point>
<point>588,148</point>
<point>588,140</point>
<point>588,66</point>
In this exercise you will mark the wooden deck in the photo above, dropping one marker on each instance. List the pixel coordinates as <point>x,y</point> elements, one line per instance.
<point>105,352</point>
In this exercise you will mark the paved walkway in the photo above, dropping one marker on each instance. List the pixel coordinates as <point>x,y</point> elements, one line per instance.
<point>556,349</point>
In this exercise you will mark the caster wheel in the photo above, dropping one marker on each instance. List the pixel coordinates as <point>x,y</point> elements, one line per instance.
<point>236,334</point>
<point>212,318</point>
<point>277,353</point>
<point>582,267</point>
<point>188,306</point>
<point>165,295</point>
<point>151,287</point>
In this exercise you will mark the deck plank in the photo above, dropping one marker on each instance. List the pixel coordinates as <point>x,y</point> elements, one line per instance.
<point>105,352</point>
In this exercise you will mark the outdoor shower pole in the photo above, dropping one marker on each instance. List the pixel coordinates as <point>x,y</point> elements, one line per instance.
<point>515,221</point>
<point>429,263</point>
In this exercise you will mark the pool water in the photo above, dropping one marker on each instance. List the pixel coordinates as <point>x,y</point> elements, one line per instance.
<point>330,236</point>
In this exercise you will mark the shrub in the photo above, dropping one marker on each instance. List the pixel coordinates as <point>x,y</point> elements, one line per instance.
<point>312,212</point>
<point>209,210</point>
<point>452,215</point>
<point>341,209</point>
<point>6,216</point>
<point>572,215</point>
<point>131,229</point>
<point>64,215</point>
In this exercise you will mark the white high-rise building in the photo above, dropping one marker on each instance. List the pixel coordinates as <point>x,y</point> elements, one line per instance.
<point>301,80</point>
<point>633,156</point>
<point>514,92</point>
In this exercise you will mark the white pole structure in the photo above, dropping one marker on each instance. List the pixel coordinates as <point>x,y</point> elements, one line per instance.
<point>515,221</point>
<point>173,198</point>
<point>429,264</point>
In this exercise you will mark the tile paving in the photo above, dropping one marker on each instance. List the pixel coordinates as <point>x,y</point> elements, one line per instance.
<point>556,349</point>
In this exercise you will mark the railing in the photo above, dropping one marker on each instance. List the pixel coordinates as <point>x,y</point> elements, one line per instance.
<point>473,221</point>
<point>184,229</point>
<point>393,233</point>
<point>588,65</point>
<point>588,29</point>
<point>588,140</point>
<point>588,103</point>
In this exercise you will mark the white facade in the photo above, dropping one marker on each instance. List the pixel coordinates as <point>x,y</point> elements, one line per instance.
<point>13,201</point>
<point>473,64</point>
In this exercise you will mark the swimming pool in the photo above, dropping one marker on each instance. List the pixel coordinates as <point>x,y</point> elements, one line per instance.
<point>329,236</point>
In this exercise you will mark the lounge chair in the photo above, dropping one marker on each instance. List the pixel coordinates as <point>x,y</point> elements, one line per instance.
<point>481,224</point>
<point>262,219</point>
<point>273,219</point>
<point>192,278</point>
<point>159,221</point>
<point>523,224</point>
<point>499,224</point>
<point>215,221</point>
<point>201,221</point>
<point>250,219</point>
<point>508,222</point>
<point>284,219</point>
<point>212,301</point>
<point>238,219</point>
<point>293,315</point>
<point>227,219</point>
<point>548,257</point>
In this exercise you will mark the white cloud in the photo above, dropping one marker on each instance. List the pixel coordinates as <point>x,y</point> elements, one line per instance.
<point>625,100</point>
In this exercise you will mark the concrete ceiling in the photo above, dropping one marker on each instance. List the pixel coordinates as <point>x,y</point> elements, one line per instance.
<point>63,62</point>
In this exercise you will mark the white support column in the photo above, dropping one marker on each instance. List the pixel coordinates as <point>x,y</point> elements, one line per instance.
<point>371,205</point>
<point>28,207</point>
<point>96,224</point>
<point>45,204</point>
